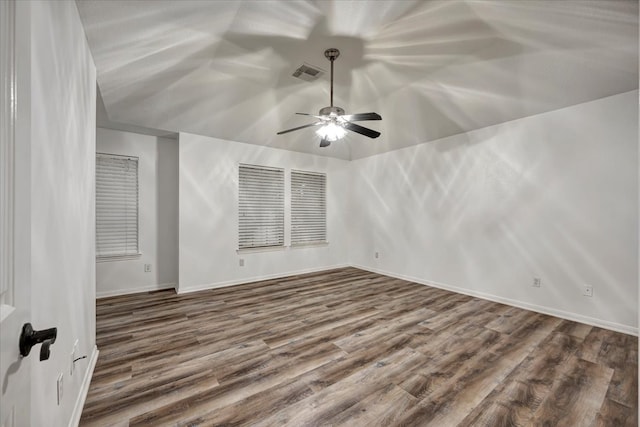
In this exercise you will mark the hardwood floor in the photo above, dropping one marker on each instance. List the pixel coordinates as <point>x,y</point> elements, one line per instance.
<point>349,347</point>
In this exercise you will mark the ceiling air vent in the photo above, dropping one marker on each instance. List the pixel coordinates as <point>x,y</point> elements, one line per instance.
<point>308,72</point>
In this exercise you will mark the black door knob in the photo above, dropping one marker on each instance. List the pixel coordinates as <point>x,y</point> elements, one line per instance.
<point>30,337</point>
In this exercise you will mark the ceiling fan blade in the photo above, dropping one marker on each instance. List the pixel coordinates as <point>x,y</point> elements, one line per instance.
<point>361,116</point>
<point>313,115</point>
<point>325,143</point>
<point>299,127</point>
<point>361,130</point>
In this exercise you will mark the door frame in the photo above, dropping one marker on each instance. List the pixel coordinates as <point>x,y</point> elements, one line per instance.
<point>7,145</point>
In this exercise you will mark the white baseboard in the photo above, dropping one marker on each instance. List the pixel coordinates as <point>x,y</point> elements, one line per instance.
<point>515,303</point>
<point>203,287</point>
<point>137,290</point>
<point>84,389</point>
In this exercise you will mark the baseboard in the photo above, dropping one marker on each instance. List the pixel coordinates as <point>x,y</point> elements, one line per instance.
<point>84,389</point>
<point>118,292</point>
<point>515,303</point>
<point>203,287</point>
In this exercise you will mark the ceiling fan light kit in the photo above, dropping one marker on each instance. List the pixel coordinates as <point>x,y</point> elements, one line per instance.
<point>331,132</point>
<point>334,123</point>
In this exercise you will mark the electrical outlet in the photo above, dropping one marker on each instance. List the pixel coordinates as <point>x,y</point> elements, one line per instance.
<point>587,291</point>
<point>60,389</point>
<point>147,268</point>
<point>377,255</point>
<point>241,262</point>
<point>537,282</point>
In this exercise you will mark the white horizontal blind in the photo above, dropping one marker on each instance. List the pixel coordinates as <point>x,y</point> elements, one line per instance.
<point>116,205</point>
<point>261,207</point>
<point>308,207</point>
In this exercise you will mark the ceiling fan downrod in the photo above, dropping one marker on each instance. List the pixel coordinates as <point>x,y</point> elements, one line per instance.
<point>331,54</point>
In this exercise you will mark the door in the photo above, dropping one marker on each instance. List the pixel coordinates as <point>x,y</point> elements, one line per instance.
<point>14,221</point>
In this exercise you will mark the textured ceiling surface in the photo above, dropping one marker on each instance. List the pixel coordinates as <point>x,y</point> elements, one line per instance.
<point>431,68</point>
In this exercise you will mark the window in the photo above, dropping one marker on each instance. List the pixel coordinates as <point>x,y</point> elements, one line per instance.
<point>308,208</point>
<point>261,207</point>
<point>116,206</point>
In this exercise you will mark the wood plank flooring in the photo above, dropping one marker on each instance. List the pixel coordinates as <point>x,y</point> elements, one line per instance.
<point>353,348</point>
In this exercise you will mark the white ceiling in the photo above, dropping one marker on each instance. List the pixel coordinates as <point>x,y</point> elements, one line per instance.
<point>430,68</point>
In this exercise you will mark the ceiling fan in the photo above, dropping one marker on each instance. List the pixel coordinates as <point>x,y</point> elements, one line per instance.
<point>334,123</point>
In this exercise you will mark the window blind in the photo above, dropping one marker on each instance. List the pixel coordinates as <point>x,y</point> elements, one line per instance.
<point>261,207</point>
<point>308,207</point>
<point>116,205</point>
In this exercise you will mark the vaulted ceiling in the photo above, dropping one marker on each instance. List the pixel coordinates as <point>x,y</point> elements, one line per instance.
<point>430,68</point>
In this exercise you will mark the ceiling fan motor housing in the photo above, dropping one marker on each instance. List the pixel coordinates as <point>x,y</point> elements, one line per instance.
<point>326,111</point>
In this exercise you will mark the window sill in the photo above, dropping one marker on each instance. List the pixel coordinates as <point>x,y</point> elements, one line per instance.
<point>309,245</point>
<point>261,249</point>
<point>109,258</point>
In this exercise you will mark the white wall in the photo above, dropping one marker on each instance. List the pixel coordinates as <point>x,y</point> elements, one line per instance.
<point>553,196</point>
<point>157,215</point>
<point>63,99</point>
<point>208,232</point>
<point>167,211</point>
